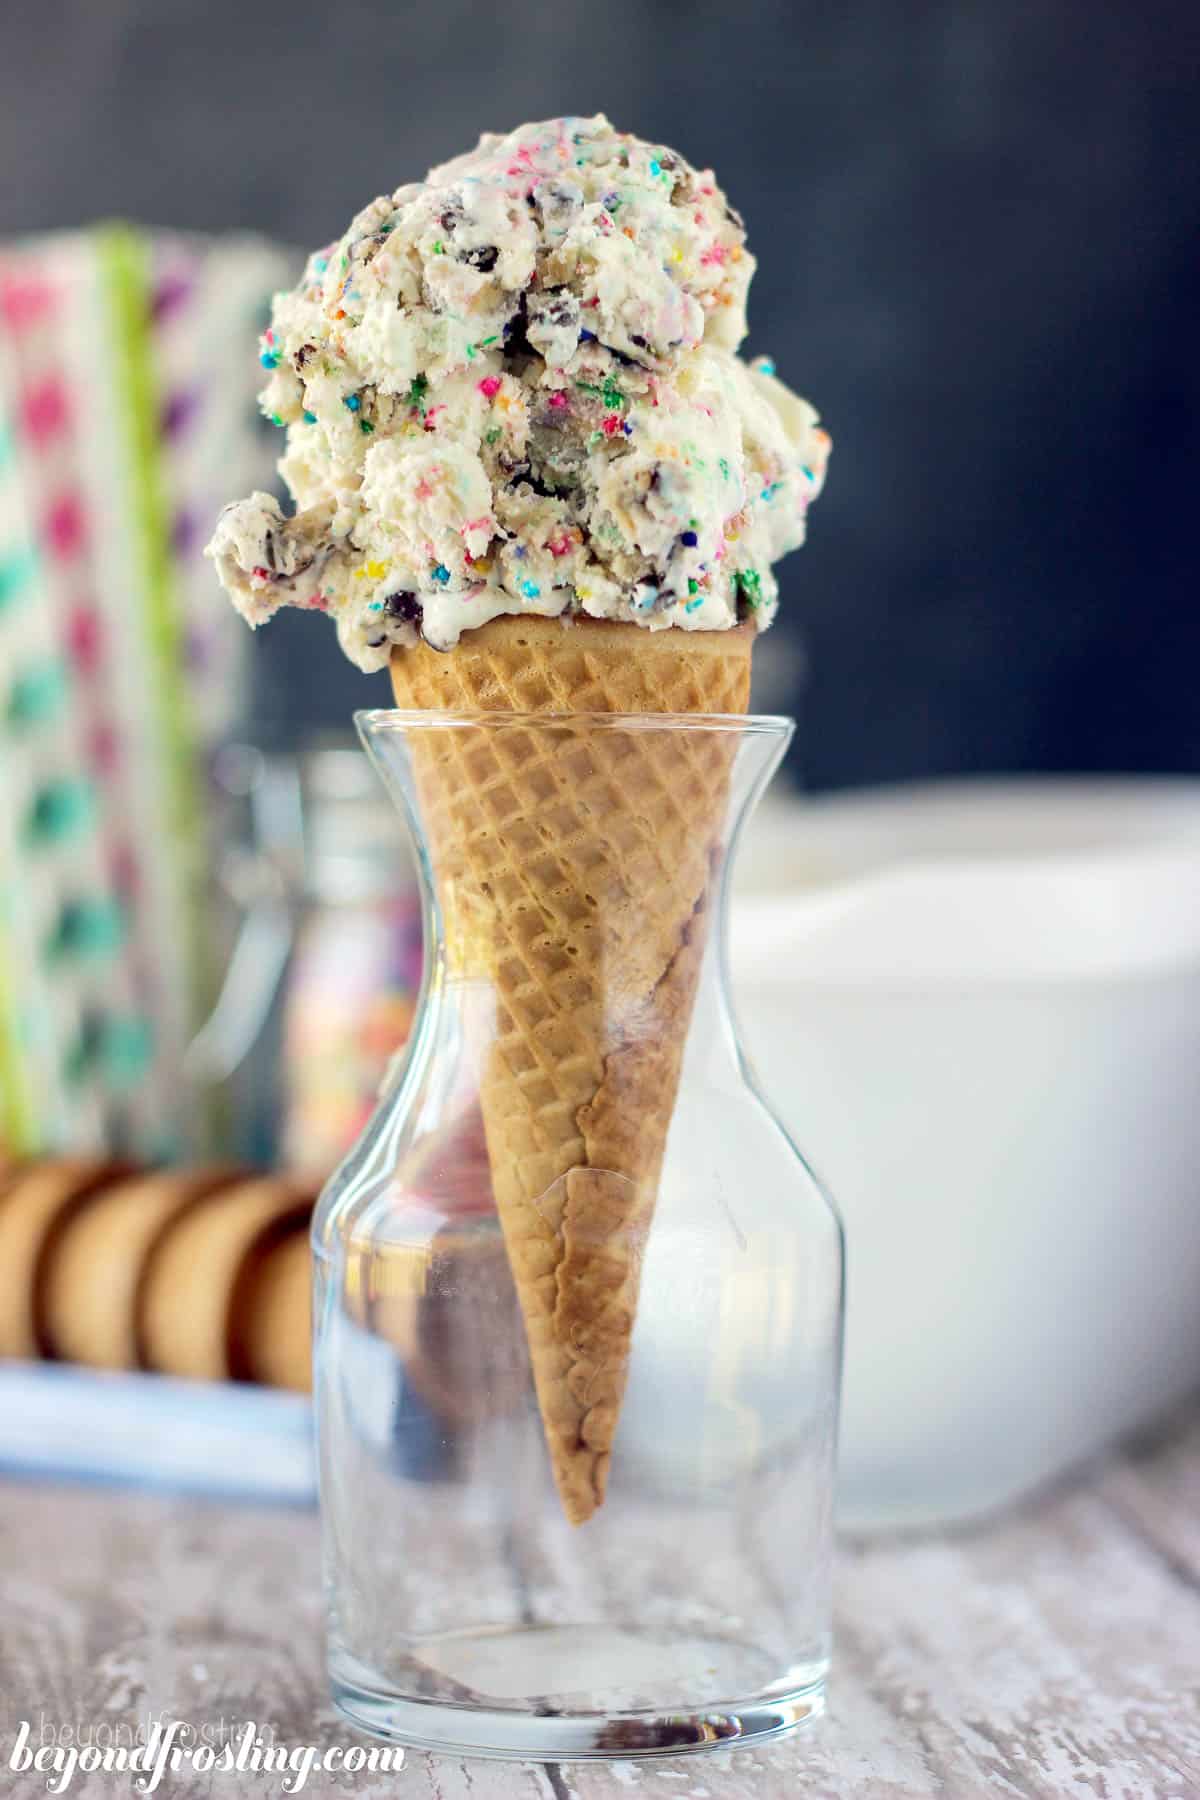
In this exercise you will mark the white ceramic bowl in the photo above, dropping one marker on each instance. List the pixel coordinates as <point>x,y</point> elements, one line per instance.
<point>977,1008</point>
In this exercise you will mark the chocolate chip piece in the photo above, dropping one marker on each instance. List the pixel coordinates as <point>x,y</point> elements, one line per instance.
<point>404,607</point>
<point>558,201</point>
<point>284,557</point>
<point>536,479</point>
<point>483,259</point>
<point>516,342</point>
<point>452,217</point>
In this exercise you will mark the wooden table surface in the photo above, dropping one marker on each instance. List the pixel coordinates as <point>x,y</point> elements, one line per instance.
<point>1054,1652</point>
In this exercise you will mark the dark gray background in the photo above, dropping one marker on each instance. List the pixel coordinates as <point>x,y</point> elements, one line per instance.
<point>976,225</point>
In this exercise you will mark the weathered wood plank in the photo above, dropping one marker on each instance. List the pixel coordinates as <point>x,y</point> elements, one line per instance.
<point>1049,1656</point>
<point>1055,1653</point>
<point>1155,1490</point>
<point>121,1607</point>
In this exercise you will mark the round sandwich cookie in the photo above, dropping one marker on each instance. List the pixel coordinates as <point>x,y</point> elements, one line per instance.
<point>444,1299</point>
<point>90,1297</point>
<point>37,1201</point>
<point>272,1312</point>
<point>186,1316</point>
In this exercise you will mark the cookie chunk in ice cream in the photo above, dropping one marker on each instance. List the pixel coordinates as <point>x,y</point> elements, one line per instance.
<point>514,388</point>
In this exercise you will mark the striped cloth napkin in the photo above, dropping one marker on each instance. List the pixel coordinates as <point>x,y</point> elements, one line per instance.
<point>127,415</point>
<point>214,1438</point>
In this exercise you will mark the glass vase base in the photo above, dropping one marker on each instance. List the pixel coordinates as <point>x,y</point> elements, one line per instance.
<point>556,1727</point>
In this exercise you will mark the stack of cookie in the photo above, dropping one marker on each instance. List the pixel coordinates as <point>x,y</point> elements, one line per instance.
<point>202,1273</point>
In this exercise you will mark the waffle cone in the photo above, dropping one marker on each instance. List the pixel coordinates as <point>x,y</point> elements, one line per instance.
<point>575,867</point>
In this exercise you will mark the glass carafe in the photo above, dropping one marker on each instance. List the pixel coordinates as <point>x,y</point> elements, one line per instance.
<point>578,1309</point>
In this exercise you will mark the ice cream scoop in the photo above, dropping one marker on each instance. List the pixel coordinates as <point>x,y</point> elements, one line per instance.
<point>514,388</point>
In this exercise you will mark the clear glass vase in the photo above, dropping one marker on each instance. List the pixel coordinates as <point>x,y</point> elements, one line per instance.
<point>578,1310</point>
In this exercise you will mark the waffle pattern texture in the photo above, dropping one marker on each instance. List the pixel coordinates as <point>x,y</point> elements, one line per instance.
<point>574,860</point>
